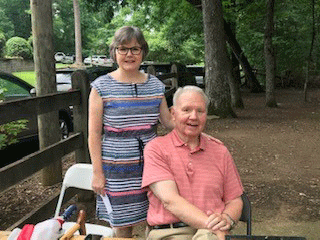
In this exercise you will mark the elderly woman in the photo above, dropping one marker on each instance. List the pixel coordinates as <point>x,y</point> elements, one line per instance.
<point>127,105</point>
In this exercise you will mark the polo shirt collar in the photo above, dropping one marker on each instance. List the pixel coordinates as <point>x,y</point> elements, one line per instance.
<point>179,143</point>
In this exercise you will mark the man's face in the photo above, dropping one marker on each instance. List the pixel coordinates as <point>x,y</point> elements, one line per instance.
<point>189,115</point>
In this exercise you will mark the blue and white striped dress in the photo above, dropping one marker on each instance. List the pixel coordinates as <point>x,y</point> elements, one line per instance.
<point>130,116</point>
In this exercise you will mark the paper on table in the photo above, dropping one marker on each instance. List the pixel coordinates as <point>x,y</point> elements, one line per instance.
<point>107,203</point>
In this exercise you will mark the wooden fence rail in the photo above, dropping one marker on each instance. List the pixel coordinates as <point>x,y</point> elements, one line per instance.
<point>28,165</point>
<point>19,109</point>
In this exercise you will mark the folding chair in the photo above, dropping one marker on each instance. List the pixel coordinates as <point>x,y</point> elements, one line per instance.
<point>246,212</point>
<point>246,217</point>
<point>80,176</point>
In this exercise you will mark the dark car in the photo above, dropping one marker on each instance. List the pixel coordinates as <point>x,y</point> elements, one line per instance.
<point>199,73</point>
<point>15,88</point>
<point>185,77</point>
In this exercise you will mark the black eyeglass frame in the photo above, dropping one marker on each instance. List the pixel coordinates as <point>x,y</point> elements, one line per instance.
<point>129,49</point>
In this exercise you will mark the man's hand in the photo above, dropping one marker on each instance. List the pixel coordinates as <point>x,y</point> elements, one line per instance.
<point>217,222</point>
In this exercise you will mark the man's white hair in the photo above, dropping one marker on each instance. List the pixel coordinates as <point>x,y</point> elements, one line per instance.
<point>189,88</point>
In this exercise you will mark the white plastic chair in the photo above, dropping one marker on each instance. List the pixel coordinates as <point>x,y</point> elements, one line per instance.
<point>80,176</point>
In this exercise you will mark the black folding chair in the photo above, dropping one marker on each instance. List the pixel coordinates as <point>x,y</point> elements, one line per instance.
<point>246,213</point>
<point>246,217</point>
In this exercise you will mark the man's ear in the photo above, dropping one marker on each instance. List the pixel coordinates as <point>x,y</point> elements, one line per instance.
<point>172,111</point>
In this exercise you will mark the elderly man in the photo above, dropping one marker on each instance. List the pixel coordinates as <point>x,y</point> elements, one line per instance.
<point>194,188</point>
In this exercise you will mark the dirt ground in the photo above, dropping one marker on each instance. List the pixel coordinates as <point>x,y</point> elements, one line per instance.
<point>276,151</point>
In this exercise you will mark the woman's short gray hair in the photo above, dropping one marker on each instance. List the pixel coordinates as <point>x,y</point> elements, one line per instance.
<point>125,35</point>
<point>189,88</point>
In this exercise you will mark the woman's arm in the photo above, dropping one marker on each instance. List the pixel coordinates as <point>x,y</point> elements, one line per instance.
<point>94,140</point>
<point>165,115</point>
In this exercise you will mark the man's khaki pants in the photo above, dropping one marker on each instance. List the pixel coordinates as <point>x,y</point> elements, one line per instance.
<point>183,233</point>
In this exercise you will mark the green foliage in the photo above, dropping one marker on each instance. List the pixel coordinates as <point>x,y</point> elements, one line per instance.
<point>93,31</point>
<point>15,18</point>
<point>9,132</point>
<point>292,36</point>
<point>6,25</point>
<point>18,47</point>
<point>63,26</point>
<point>2,43</point>
<point>173,30</point>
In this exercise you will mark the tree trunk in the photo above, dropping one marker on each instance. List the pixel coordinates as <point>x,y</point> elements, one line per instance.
<point>269,56</point>
<point>236,99</point>
<point>216,57</point>
<point>252,82</point>
<point>77,29</point>
<point>49,131</point>
<point>310,58</point>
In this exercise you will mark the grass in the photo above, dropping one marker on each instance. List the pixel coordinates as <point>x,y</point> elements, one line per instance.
<point>30,77</point>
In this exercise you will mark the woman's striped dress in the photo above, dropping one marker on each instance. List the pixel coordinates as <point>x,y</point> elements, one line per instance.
<point>130,116</point>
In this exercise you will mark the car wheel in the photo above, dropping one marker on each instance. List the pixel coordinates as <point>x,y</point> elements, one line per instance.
<point>63,128</point>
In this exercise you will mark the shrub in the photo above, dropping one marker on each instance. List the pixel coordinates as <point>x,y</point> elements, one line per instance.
<point>10,131</point>
<point>2,43</point>
<point>18,47</point>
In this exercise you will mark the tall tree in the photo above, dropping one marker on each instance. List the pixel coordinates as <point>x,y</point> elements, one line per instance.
<point>49,131</point>
<point>269,56</point>
<point>77,29</point>
<point>216,57</point>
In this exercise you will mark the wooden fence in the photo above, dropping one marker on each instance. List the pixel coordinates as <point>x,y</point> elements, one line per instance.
<point>78,98</point>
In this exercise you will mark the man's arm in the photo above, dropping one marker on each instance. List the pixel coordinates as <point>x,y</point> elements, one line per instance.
<point>167,192</point>
<point>233,209</point>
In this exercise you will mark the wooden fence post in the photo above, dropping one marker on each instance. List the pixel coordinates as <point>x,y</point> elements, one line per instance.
<point>174,69</point>
<point>80,80</point>
<point>151,70</point>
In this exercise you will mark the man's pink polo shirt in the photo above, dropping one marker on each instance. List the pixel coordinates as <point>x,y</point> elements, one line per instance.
<point>207,176</point>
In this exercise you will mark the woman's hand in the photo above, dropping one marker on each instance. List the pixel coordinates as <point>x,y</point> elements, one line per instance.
<point>98,183</point>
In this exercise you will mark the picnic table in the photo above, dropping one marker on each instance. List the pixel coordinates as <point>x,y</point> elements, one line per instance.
<point>4,235</point>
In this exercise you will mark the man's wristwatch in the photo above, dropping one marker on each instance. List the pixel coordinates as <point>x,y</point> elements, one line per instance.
<point>232,222</point>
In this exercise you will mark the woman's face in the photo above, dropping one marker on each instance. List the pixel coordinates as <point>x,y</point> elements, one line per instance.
<point>129,56</point>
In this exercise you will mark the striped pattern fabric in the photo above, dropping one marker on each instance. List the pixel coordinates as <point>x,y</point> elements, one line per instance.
<point>131,113</point>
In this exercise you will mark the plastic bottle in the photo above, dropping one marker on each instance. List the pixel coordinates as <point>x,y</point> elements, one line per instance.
<point>51,228</point>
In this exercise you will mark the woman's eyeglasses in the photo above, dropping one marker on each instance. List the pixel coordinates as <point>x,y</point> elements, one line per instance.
<point>124,50</point>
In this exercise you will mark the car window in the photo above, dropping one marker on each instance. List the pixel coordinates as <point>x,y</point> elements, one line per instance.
<point>63,78</point>
<point>12,91</point>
